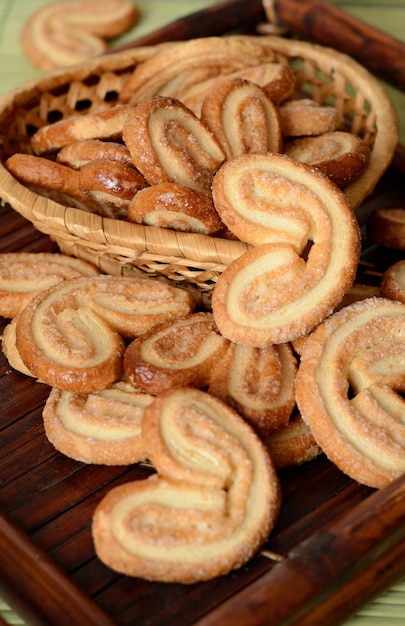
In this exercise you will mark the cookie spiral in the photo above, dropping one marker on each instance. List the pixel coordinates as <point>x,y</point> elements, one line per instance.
<point>349,389</point>
<point>210,506</point>
<point>177,353</point>
<point>258,383</point>
<point>24,274</point>
<point>168,142</point>
<point>68,32</point>
<point>103,427</point>
<point>70,336</point>
<point>307,249</point>
<point>103,125</point>
<point>242,118</point>
<point>171,71</point>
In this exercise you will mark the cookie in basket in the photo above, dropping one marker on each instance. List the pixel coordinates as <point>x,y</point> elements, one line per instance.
<point>170,205</point>
<point>80,153</point>
<point>103,125</point>
<point>167,142</point>
<point>242,118</point>
<point>342,156</point>
<point>276,79</point>
<point>170,72</point>
<point>207,510</point>
<point>305,117</point>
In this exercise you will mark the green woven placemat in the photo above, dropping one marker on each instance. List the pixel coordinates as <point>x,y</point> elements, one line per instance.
<point>389,608</point>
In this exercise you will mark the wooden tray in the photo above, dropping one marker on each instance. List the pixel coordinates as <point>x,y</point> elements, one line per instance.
<point>335,546</point>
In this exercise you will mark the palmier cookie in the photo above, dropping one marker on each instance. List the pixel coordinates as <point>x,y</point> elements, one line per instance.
<point>110,186</point>
<point>168,142</point>
<point>170,205</point>
<point>308,254</point>
<point>357,292</point>
<point>349,389</point>
<point>258,383</point>
<point>103,427</point>
<point>306,117</point>
<point>276,79</point>
<point>292,445</point>
<point>49,179</point>
<point>207,510</point>
<point>65,33</point>
<point>79,153</point>
<point>393,282</point>
<point>71,335</point>
<point>9,348</point>
<point>387,227</point>
<point>24,274</point>
<point>170,71</point>
<point>242,118</point>
<point>340,155</point>
<point>104,125</point>
<point>177,353</point>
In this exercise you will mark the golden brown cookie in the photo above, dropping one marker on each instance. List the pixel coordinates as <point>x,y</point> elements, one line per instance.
<point>393,282</point>
<point>63,33</point>
<point>307,249</point>
<point>49,179</point>
<point>242,118</point>
<point>171,71</point>
<point>24,274</point>
<point>103,427</point>
<point>170,205</point>
<point>340,155</point>
<point>110,186</point>
<point>168,142</point>
<point>258,383</point>
<point>277,80</point>
<point>292,445</point>
<point>209,508</point>
<point>307,117</point>
<point>81,152</point>
<point>70,336</point>
<point>387,227</point>
<point>103,125</point>
<point>178,353</point>
<point>349,389</point>
<point>10,351</point>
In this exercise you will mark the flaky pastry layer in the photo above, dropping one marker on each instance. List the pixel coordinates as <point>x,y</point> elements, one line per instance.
<point>349,389</point>
<point>210,506</point>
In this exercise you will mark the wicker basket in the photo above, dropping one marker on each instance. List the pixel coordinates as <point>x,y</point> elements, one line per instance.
<point>188,260</point>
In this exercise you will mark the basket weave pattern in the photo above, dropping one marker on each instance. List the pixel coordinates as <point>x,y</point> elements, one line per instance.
<point>188,260</point>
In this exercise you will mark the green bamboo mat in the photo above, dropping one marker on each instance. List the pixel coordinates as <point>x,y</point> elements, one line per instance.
<point>389,608</point>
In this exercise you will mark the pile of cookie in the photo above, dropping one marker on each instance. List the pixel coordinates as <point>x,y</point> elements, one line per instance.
<point>294,358</point>
<point>138,373</point>
<point>189,108</point>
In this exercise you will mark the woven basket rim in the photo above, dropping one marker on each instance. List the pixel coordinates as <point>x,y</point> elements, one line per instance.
<point>57,220</point>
